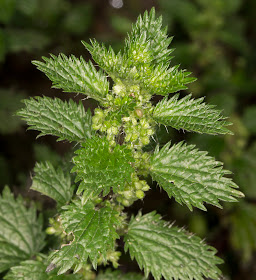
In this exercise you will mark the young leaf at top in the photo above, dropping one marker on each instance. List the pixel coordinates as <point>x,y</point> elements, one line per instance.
<point>67,120</point>
<point>191,115</point>
<point>100,168</point>
<point>170,252</point>
<point>152,38</point>
<point>145,59</point>
<point>21,235</point>
<point>191,176</point>
<point>93,231</point>
<point>36,270</point>
<point>117,275</point>
<point>75,75</point>
<point>52,182</point>
<point>113,64</point>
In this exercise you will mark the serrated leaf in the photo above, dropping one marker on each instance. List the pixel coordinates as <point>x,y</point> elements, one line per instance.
<point>52,182</point>
<point>191,176</point>
<point>145,59</point>
<point>118,275</point>
<point>28,270</point>
<point>191,115</point>
<point>36,270</point>
<point>148,31</point>
<point>66,120</point>
<point>74,75</point>
<point>93,231</point>
<point>106,58</point>
<point>100,168</point>
<point>168,251</point>
<point>21,235</point>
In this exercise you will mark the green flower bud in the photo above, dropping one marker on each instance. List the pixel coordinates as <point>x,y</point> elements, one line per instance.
<point>140,194</point>
<point>50,230</point>
<point>128,194</point>
<point>126,202</point>
<point>138,185</point>
<point>139,113</point>
<point>145,140</point>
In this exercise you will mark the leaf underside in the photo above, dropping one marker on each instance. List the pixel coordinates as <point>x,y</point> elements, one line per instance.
<point>94,234</point>
<point>191,115</point>
<point>66,120</point>
<point>192,177</point>
<point>170,252</point>
<point>21,235</point>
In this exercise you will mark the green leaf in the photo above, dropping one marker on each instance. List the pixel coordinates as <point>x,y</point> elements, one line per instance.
<point>243,230</point>
<point>191,115</point>
<point>36,270</point>
<point>118,275</point>
<point>101,168</point>
<point>113,64</point>
<point>191,176</point>
<point>148,32</point>
<point>93,231</point>
<point>28,270</point>
<point>21,235</point>
<point>74,75</point>
<point>168,251</point>
<point>145,59</point>
<point>52,182</point>
<point>66,120</point>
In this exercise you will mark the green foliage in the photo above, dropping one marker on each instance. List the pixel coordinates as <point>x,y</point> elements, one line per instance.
<point>35,270</point>
<point>10,103</point>
<point>191,176</point>
<point>190,114</point>
<point>165,250</point>
<point>93,231</point>
<point>25,40</point>
<point>117,275</point>
<point>249,119</point>
<point>74,75</point>
<point>243,229</point>
<point>21,235</point>
<point>145,59</point>
<point>6,10</point>
<point>111,161</point>
<point>99,168</point>
<point>66,120</point>
<point>52,182</point>
<point>78,19</point>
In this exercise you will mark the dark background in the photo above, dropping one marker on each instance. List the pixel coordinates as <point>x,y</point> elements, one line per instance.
<point>215,40</point>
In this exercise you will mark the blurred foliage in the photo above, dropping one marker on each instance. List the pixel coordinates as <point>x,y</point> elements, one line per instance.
<point>215,40</point>
<point>10,103</point>
<point>32,25</point>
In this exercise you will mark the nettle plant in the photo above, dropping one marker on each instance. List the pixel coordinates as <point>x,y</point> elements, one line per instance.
<point>111,166</point>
